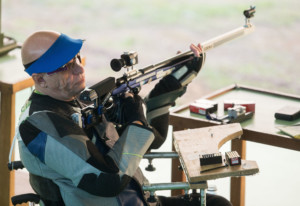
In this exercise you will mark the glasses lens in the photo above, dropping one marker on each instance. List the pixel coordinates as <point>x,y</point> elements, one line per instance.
<point>70,65</point>
<point>63,68</point>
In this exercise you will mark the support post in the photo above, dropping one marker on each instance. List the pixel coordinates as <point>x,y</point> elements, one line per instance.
<point>7,128</point>
<point>237,184</point>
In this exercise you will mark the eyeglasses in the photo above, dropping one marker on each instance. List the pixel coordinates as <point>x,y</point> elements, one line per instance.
<point>68,66</point>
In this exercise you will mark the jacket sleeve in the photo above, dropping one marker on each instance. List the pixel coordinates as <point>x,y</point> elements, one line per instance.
<point>63,146</point>
<point>130,148</point>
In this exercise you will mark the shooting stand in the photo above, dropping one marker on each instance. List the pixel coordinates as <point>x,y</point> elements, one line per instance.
<point>191,143</point>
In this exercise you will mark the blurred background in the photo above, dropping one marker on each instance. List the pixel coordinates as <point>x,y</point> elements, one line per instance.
<point>267,58</point>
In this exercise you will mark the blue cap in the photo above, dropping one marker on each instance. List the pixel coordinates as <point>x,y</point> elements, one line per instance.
<point>60,53</point>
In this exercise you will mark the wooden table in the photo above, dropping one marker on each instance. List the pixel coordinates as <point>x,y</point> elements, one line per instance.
<point>261,128</point>
<point>12,79</point>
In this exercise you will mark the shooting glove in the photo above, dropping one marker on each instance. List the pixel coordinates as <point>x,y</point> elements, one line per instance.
<point>188,72</point>
<point>132,110</point>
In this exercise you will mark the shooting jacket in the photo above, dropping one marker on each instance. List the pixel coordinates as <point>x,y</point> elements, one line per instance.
<point>89,168</point>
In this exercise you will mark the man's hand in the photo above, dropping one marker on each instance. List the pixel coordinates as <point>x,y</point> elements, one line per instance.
<point>133,111</point>
<point>196,63</point>
<point>188,72</point>
<point>197,50</point>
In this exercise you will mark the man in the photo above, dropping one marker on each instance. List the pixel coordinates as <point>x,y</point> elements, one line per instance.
<point>92,166</point>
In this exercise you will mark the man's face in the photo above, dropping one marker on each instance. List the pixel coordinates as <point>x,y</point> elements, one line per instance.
<point>66,82</point>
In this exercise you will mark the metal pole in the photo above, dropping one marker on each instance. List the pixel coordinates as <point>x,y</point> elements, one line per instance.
<point>203,197</point>
<point>166,186</point>
<point>154,155</point>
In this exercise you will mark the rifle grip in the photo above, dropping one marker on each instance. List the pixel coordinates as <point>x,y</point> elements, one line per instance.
<point>29,197</point>
<point>15,165</point>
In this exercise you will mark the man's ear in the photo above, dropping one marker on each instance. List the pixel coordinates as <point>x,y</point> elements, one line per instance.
<point>38,78</point>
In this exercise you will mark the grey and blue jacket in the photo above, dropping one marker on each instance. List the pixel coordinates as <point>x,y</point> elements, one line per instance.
<point>88,171</point>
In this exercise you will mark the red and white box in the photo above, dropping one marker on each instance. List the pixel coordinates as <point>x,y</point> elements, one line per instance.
<point>249,105</point>
<point>203,106</point>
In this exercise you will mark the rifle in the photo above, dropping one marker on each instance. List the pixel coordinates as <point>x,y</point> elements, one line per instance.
<point>132,80</point>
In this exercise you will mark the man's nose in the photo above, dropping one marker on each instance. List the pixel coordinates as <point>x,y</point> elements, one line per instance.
<point>78,69</point>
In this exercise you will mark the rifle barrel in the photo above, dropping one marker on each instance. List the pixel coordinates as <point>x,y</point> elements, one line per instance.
<point>207,45</point>
<point>185,56</point>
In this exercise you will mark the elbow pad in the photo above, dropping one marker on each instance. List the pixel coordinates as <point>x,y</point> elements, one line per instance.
<point>130,148</point>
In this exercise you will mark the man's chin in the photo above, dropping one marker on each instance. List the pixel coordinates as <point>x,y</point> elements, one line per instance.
<point>80,85</point>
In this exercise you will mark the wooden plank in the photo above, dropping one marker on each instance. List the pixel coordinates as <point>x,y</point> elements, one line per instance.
<point>277,140</point>
<point>266,91</point>
<point>191,143</point>
<point>7,128</point>
<point>17,86</point>
<point>237,191</point>
<point>181,123</point>
<point>23,85</point>
<point>237,184</point>
<point>177,175</point>
<point>246,168</point>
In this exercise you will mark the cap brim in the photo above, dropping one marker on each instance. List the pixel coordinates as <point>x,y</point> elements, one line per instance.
<point>60,53</point>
